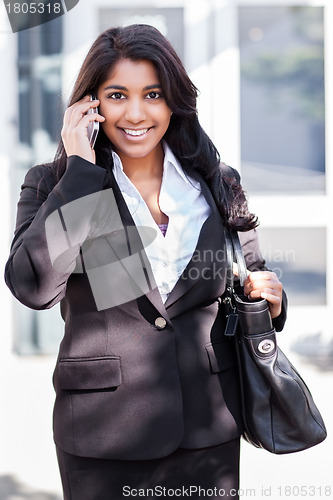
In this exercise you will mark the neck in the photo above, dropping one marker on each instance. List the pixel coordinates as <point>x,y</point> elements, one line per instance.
<point>144,167</point>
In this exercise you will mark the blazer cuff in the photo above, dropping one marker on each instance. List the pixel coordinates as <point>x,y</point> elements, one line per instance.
<point>80,179</point>
<point>280,320</point>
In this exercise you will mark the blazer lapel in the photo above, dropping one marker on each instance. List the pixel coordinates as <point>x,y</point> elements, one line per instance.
<point>210,243</point>
<point>137,245</point>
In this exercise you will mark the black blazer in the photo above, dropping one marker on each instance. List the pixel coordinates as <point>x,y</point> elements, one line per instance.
<point>142,378</point>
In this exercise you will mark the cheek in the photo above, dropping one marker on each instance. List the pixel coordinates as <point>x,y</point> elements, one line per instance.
<point>167,116</point>
<point>111,118</point>
<point>110,112</point>
<point>108,126</point>
<point>166,124</point>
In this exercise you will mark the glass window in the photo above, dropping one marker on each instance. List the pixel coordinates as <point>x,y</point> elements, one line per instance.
<point>170,21</point>
<point>51,36</point>
<point>24,97</point>
<point>298,257</point>
<point>39,75</point>
<point>39,71</point>
<point>37,332</point>
<point>282,99</point>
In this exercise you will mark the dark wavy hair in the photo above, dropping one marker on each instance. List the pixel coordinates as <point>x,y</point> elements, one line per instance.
<point>185,136</point>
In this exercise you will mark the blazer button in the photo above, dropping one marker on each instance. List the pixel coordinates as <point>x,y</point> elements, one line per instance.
<point>160,323</point>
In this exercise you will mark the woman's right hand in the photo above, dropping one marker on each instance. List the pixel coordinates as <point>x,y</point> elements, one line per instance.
<point>74,130</point>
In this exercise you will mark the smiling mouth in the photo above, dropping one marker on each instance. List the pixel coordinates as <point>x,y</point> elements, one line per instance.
<point>136,133</point>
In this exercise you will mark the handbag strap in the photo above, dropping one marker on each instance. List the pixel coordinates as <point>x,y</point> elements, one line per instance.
<point>234,254</point>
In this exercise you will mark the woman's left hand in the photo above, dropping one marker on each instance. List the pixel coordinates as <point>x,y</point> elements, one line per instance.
<point>265,285</point>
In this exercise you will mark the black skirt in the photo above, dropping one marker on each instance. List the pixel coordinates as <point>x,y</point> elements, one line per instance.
<point>194,474</point>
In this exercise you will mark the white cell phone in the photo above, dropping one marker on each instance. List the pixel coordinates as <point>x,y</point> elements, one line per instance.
<point>93,127</point>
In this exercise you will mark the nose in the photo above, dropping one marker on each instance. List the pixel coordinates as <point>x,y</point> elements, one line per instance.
<point>135,111</point>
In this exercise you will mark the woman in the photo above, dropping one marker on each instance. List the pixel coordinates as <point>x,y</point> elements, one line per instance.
<point>129,236</point>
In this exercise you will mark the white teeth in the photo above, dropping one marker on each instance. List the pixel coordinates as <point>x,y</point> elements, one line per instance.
<point>135,132</point>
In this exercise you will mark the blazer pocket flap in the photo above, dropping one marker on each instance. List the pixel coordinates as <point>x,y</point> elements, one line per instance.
<point>221,356</point>
<point>78,374</point>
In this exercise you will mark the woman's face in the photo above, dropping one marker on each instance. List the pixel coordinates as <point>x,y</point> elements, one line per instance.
<point>136,114</point>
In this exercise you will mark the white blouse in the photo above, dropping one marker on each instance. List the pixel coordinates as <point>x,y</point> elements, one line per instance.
<point>182,201</point>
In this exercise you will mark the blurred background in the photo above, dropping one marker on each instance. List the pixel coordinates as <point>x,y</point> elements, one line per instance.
<point>265,74</point>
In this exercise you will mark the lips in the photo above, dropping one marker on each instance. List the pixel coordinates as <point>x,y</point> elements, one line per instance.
<point>135,132</point>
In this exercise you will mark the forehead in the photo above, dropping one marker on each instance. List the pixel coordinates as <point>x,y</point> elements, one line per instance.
<point>130,73</point>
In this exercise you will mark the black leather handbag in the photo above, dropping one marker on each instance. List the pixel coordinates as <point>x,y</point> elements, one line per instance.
<point>279,413</point>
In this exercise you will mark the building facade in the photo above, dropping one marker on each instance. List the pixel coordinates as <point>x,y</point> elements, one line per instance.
<point>264,73</point>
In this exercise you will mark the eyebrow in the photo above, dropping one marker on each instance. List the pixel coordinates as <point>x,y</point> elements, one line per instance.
<point>120,87</point>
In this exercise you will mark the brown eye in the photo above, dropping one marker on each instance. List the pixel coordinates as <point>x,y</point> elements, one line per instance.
<point>117,96</point>
<point>153,95</point>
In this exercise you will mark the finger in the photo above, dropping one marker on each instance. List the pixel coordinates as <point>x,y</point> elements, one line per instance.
<point>274,303</point>
<point>86,119</point>
<point>263,275</point>
<point>80,130</point>
<point>271,297</point>
<point>70,109</point>
<point>83,122</point>
<point>78,109</point>
<point>270,294</point>
<point>254,295</point>
<point>250,286</point>
<point>81,111</point>
<point>258,280</point>
<point>73,136</point>
<point>258,291</point>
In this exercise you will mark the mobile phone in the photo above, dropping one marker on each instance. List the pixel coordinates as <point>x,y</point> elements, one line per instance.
<point>93,127</point>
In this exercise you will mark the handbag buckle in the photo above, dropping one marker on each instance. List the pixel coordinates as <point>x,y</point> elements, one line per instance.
<point>266,346</point>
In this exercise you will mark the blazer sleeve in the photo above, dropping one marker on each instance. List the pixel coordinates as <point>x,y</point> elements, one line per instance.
<point>251,251</point>
<point>255,262</point>
<point>30,273</point>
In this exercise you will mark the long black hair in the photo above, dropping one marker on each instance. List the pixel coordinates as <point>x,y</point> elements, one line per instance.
<point>185,136</point>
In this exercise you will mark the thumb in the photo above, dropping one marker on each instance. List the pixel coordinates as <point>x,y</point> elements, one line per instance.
<point>235,269</point>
